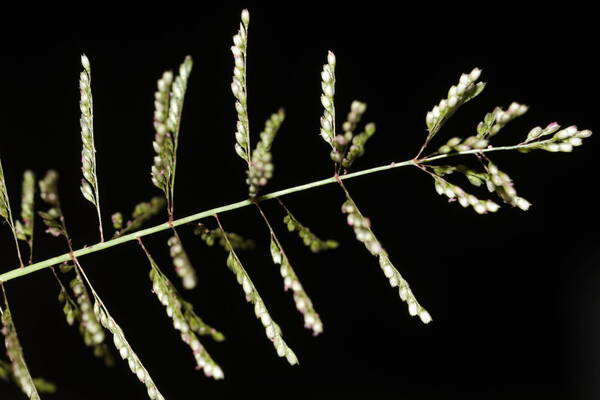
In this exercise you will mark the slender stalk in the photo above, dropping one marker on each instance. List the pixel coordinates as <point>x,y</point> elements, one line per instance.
<point>18,272</point>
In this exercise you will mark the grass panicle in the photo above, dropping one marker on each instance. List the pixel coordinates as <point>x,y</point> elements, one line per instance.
<point>82,305</point>
<point>272,329</point>
<point>89,183</point>
<point>179,311</point>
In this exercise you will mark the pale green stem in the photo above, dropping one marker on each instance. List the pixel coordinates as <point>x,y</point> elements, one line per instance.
<point>18,272</point>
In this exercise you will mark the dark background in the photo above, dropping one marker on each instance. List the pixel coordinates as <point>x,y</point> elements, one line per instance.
<point>513,295</point>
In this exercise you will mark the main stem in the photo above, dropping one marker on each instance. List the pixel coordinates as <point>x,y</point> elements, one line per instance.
<point>19,272</point>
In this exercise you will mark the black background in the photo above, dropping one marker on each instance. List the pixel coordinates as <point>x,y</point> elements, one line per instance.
<point>513,295</point>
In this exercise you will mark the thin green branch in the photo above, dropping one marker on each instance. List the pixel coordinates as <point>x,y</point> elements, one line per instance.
<point>19,272</point>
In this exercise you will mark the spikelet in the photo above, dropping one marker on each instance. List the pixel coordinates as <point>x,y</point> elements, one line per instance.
<point>456,193</point>
<point>496,120</point>
<point>238,88</point>
<point>168,106</point>
<point>182,263</point>
<point>171,299</point>
<point>262,166</point>
<point>308,238</point>
<point>14,351</point>
<point>89,183</point>
<point>141,213</point>
<point>457,144</point>
<point>125,350</point>
<point>24,227</point>
<point>272,329</point>
<point>563,140</point>
<point>327,99</point>
<point>466,89</point>
<point>364,234</point>
<point>210,236</point>
<point>304,304</point>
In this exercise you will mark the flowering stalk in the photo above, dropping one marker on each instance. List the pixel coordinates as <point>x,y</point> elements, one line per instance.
<point>24,227</point>
<point>6,213</point>
<point>272,329</point>
<point>171,299</point>
<point>304,304</point>
<point>364,234</point>
<point>89,183</point>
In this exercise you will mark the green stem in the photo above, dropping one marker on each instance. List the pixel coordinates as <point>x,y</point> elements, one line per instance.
<point>18,272</point>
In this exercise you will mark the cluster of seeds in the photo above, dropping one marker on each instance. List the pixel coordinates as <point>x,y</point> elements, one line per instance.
<point>170,298</point>
<point>197,324</point>
<point>125,350</point>
<point>364,234</point>
<point>4,201</point>
<point>496,120</point>
<point>357,147</point>
<point>182,263</point>
<point>459,144</point>
<point>53,217</point>
<point>327,99</point>
<point>89,187</point>
<point>141,213</point>
<point>501,183</point>
<point>272,329</point>
<point>262,166</point>
<point>163,141</point>
<point>24,227</point>
<point>454,192</point>
<point>465,90</point>
<point>238,88</point>
<point>15,354</point>
<point>210,236</point>
<point>563,140</point>
<point>308,238</point>
<point>340,142</point>
<point>304,304</point>
<point>89,327</point>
